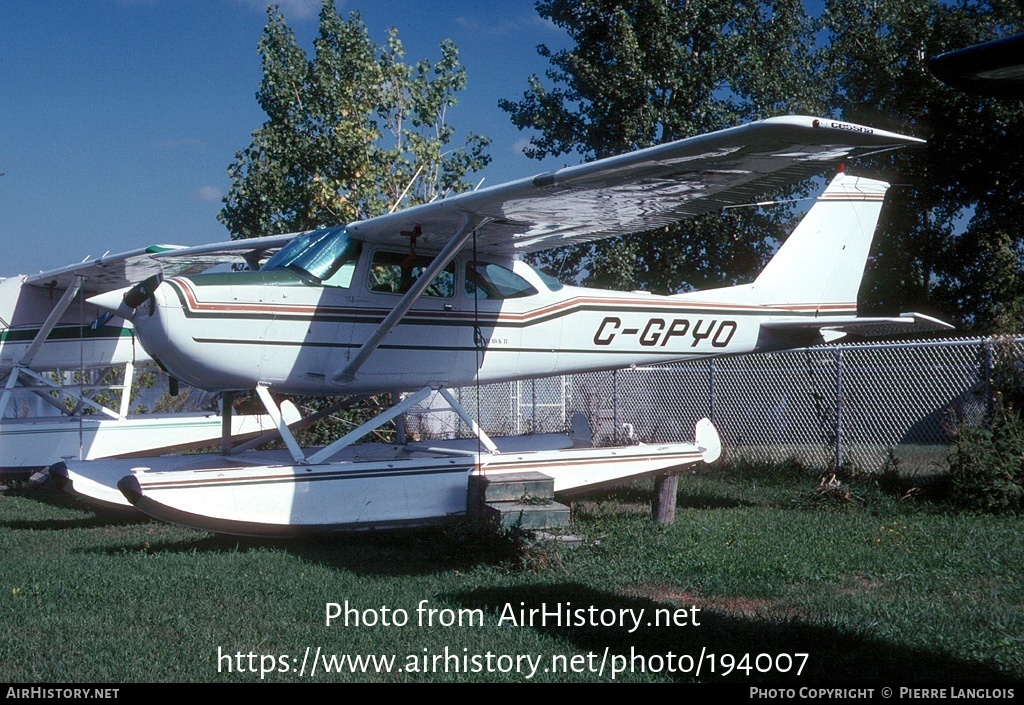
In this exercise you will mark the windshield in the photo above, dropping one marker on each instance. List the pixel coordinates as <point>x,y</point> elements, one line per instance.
<point>319,254</point>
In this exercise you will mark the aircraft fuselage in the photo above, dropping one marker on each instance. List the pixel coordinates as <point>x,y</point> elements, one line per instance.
<point>239,330</point>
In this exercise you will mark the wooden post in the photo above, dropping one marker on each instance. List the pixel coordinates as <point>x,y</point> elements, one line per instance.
<point>663,502</point>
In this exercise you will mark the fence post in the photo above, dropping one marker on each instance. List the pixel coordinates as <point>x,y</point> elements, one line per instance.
<point>990,366</point>
<point>533,404</point>
<point>513,406</point>
<point>565,394</point>
<point>615,405</point>
<point>839,408</point>
<point>711,394</point>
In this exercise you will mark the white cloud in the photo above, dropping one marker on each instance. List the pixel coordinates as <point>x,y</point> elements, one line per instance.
<point>508,26</point>
<point>291,9</point>
<point>519,146</point>
<point>210,194</point>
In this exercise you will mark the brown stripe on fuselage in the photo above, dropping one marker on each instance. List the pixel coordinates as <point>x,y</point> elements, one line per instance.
<point>190,298</point>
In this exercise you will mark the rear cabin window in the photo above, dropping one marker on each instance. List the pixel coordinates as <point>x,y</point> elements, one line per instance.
<point>486,280</point>
<point>395,273</point>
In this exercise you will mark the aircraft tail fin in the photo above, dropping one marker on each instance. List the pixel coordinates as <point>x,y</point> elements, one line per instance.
<point>822,262</point>
<point>820,265</point>
<point>818,270</point>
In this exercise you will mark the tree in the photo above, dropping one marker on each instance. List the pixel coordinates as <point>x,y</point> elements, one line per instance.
<point>641,72</point>
<point>348,132</point>
<point>949,240</point>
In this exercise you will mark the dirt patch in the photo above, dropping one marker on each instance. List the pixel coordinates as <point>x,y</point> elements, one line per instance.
<point>858,584</point>
<point>731,605</point>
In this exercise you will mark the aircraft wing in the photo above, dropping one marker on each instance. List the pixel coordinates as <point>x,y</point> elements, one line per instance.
<point>118,271</point>
<point>991,69</point>
<point>638,191</point>
<point>633,192</point>
<point>629,193</point>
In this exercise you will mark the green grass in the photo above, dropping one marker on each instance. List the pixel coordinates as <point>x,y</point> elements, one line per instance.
<point>875,590</point>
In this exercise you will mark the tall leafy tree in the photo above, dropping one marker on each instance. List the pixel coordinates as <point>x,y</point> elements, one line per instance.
<point>641,72</point>
<point>349,132</point>
<point>949,241</point>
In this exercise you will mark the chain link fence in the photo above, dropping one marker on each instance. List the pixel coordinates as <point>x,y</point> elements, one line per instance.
<point>856,405</point>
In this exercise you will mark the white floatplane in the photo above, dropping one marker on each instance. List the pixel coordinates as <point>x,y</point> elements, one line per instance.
<point>436,296</point>
<point>54,351</point>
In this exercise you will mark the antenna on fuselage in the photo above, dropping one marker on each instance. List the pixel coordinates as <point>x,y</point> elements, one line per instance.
<point>402,197</point>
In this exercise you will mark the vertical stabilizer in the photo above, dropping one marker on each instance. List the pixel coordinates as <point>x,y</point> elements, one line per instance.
<point>821,264</point>
<point>822,261</point>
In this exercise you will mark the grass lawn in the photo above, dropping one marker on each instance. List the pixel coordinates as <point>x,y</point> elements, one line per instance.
<point>761,580</point>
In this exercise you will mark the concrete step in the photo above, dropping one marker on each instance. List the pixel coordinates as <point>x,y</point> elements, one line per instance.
<point>527,516</point>
<point>510,487</point>
<point>525,499</point>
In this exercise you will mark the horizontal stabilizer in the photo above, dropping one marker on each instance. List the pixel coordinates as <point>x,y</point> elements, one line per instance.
<point>838,326</point>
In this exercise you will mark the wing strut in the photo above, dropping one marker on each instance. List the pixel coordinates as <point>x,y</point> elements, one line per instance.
<point>431,273</point>
<point>51,322</point>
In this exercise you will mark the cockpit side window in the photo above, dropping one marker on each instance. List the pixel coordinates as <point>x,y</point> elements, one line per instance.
<point>487,280</point>
<point>395,273</point>
<point>326,257</point>
<point>549,280</point>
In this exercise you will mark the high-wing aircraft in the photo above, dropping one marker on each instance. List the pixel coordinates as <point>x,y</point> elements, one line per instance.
<point>436,296</point>
<point>52,343</point>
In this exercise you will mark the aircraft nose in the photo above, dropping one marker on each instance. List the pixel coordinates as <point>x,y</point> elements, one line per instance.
<point>113,302</point>
<point>123,302</point>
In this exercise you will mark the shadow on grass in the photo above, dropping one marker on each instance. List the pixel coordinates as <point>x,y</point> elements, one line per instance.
<point>99,520</point>
<point>706,501</point>
<point>395,553</point>
<point>835,655</point>
<point>85,516</point>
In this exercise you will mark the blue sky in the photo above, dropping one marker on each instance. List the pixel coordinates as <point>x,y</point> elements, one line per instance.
<point>119,118</point>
